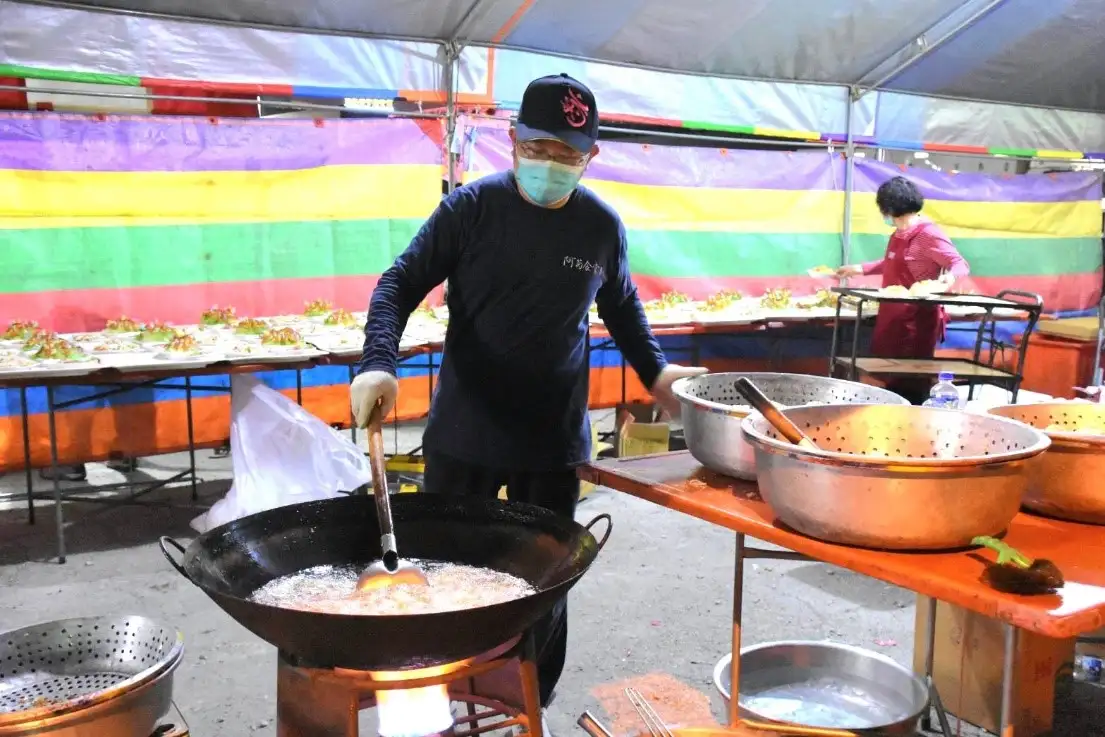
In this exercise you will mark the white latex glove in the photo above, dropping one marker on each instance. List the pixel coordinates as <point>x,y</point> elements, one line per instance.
<point>369,388</point>
<point>661,388</point>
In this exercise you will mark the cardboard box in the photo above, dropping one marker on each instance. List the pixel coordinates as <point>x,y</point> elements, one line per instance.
<point>967,666</point>
<point>641,430</point>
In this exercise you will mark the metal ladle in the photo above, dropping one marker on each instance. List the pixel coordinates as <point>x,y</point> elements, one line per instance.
<point>390,570</point>
<point>771,413</point>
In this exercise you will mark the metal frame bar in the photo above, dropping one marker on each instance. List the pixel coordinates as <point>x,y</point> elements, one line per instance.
<point>908,63</point>
<point>191,98</point>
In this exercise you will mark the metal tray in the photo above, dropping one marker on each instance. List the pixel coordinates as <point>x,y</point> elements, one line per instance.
<point>826,685</point>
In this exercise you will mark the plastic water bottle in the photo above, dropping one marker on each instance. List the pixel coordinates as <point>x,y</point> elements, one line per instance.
<point>943,393</point>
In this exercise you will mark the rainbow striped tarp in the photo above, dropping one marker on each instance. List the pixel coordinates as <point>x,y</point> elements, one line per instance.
<point>163,217</point>
<point>1039,233</point>
<point>704,219</point>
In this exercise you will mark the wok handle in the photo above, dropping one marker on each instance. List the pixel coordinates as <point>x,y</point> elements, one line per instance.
<point>165,540</point>
<point>609,527</point>
<point>380,488</point>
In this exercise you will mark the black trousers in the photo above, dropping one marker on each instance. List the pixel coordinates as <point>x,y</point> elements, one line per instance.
<point>557,491</point>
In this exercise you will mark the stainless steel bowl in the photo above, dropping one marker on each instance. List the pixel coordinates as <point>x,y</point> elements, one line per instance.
<point>826,685</point>
<point>87,677</point>
<point>895,478</point>
<point>713,409</point>
<point>1066,481</point>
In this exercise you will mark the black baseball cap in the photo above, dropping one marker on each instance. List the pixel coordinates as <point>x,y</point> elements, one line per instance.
<point>559,107</point>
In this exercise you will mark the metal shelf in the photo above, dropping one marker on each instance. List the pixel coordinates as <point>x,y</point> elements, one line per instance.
<point>981,368</point>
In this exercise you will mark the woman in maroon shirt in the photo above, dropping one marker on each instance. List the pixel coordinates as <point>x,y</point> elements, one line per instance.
<point>917,251</point>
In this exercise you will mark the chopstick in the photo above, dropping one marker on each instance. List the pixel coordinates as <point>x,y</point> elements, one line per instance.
<point>648,715</point>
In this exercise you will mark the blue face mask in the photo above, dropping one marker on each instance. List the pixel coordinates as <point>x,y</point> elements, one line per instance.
<point>888,220</point>
<point>546,182</point>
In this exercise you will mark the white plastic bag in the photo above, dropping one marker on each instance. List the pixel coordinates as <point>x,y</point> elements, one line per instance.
<point>282,454</point>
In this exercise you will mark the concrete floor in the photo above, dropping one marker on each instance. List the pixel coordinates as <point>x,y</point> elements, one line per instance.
<point>653,610</point>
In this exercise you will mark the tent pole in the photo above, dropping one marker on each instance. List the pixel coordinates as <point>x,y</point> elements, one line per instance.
<point>903,66</point>
<point>849,178</point>
<point>713,141</point>
<point>452,61</point>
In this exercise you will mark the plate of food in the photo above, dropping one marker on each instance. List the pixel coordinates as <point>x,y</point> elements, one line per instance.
<point>345,343</point>
<point>250,326</point>
<point>37,339</point>
<point>17,366</point>
<point>340,318</point>
<point>155,334</point>
<point>822,272</point>
<point>122,325</point>
<point>184,348</point>
<point>670,308</point>
<point>719,307</point>
<point>822,299</point>
<point>218,317</point>
<point>775,299</point>
<point>317,308</point>
<point>108,344</point>
<point>60,357</point>
<point>275,345</point>
<point>19,331</point>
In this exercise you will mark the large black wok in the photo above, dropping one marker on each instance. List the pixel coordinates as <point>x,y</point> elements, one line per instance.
<point>231,562</point>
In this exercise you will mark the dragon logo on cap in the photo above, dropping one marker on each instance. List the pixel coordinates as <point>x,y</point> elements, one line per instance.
<point>575,109</point>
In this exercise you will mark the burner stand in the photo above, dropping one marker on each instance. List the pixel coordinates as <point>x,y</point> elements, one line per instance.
<point>498,690</point>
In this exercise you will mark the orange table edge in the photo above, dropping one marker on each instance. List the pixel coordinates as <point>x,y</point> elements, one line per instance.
<point>677,481</point>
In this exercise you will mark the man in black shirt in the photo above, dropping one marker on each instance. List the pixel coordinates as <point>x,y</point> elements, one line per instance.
<point>525,252</point>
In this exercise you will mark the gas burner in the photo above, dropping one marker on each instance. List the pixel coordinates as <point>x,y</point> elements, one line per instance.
<point>498,690</point>
<point>172,725</point>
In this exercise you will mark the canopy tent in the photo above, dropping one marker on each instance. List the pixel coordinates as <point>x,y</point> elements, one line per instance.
<point>951,73</point>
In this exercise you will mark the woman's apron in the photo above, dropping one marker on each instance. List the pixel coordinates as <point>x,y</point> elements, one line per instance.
<point>906,330</point>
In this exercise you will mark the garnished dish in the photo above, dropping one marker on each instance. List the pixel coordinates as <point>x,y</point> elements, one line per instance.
<point>156,332</point>
<point>775,299</point>
<point>333,590</point>
<point>721,301</point>
<point>340,318</point>
<point>39,338</point>
<point>821,272</point>
<point>217,316</point>
<point>282,338</point>
<point>122,325</point>
<point>111,345</point>
<point>672,299</point>
<point>251,326</point>
<point>20,330</point>
<point>820,298</point>
<point>59,350</point>
<point>183,345</point>
<point>14,362</point>
<point>317,308</point>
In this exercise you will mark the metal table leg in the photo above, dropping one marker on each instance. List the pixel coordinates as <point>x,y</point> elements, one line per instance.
<point>55,473</point>
<point>1009,682</point>
<point>28,472</point>
<point>191,435</point>
<point>735,658</point>
<point>930,656</point>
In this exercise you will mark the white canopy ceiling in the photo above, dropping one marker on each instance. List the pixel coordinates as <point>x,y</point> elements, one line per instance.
<point>1029,52</point>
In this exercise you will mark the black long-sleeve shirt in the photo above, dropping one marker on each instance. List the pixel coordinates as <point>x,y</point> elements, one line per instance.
<point>513,387</point>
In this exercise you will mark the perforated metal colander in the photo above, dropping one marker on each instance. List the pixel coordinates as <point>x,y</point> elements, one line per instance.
<point>713,410</point>
<point>76,664</point>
